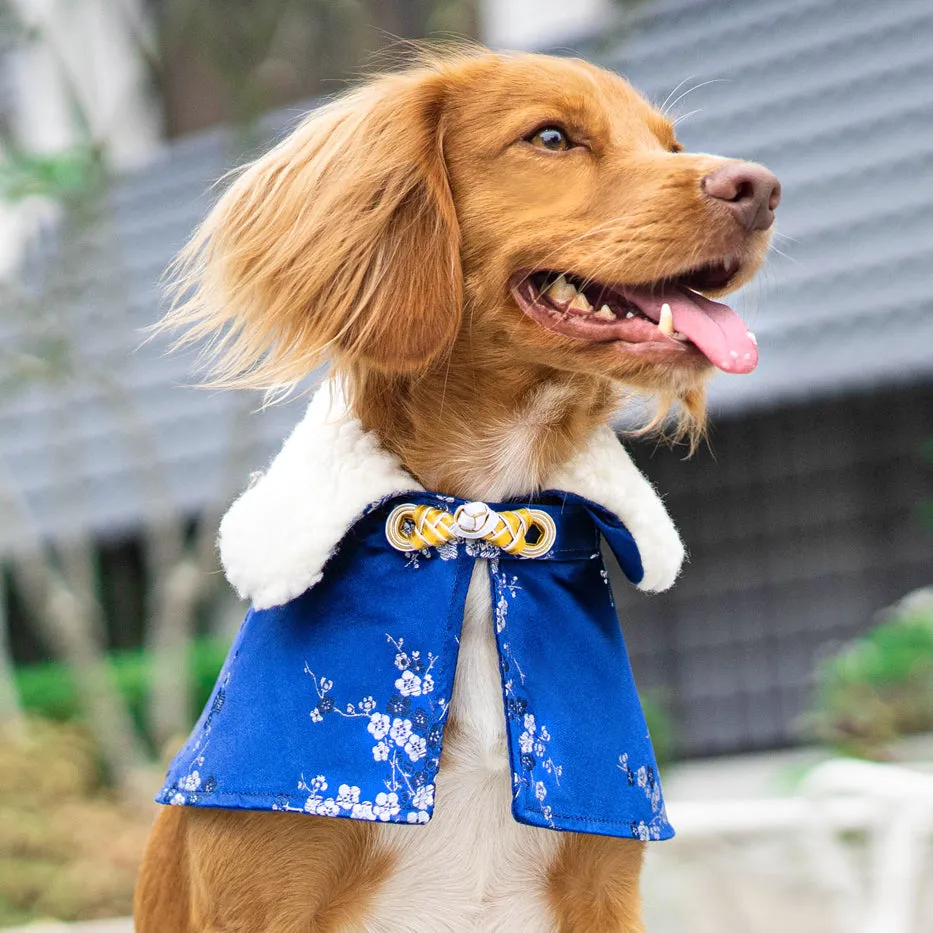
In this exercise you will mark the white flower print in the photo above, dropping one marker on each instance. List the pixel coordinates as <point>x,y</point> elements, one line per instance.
<point>416,747</point>
<point>191,788</point>
<point>413,556</point>
<point>406,736</point>
<point>646,779</point>
<point>363,811</point>
<point>379,725</point>
<point>348,796</point>
<point>409,684</point>
<point>533,737</point>
<point>509,586</point>
<point>329,807</point>
<point>533,754</point>
<point>485,549</point>
<point>190,782</point>
<point>400,731</point>
<point>502,611</point>
<point>424,797</point>
<point>386,806</point>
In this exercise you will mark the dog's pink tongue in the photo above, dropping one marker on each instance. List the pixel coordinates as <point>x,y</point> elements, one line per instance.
<point>714,328</point>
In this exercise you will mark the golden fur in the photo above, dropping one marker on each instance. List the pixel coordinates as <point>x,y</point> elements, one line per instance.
<point>593,884</point>
<point>382,235</point>
<point>241,872</point>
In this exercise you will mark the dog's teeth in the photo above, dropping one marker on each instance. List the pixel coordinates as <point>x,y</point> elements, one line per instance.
<point>729,264</point>
<point>677,335</point>
<point>666,323</point>
<point>751,337</point>
<point>630,314</point>
<point>605,313</point>
<point>580,302</point>
<point>561,290</point>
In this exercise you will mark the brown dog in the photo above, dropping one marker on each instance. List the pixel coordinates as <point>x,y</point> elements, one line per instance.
<point>413,233</point>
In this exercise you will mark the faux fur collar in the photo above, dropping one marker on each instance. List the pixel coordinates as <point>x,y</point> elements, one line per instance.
<point>276,538</point>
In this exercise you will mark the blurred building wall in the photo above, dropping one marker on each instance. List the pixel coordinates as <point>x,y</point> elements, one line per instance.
<point>531,24</point>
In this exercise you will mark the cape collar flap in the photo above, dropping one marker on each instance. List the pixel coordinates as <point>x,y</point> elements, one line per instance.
<point>276,538</point>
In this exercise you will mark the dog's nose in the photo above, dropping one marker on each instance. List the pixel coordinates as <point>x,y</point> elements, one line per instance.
<point>751,191</point>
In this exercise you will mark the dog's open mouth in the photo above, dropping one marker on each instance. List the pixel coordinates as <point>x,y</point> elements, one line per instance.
<point>668,314</point>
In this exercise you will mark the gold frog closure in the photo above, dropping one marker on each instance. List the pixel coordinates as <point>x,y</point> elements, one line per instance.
<point>415,527</point>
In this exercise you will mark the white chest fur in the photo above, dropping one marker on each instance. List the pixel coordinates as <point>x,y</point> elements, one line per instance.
<point>472,868</point>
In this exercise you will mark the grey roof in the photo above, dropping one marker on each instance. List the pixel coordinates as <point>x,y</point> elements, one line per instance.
<point>836,96</point>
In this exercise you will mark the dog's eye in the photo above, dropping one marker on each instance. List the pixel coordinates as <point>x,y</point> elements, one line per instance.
<point>552,138</point>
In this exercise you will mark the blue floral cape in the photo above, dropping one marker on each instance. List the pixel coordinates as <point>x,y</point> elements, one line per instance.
<point>334,702</point>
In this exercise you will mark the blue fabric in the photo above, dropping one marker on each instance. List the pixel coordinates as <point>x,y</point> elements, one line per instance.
<point>334,704</point>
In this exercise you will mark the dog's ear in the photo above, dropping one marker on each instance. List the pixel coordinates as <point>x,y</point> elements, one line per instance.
<point>342,243</point>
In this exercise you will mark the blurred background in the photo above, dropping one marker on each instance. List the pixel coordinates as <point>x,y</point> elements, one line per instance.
<point>789,675</point>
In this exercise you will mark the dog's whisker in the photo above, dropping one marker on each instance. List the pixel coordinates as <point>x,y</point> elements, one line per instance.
<point>695,87</point>
<point>677,87</point>
<point>686,116</point>
<point>783,255</point>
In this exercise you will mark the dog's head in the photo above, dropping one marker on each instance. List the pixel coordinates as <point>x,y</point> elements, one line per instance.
<point>521,205</point>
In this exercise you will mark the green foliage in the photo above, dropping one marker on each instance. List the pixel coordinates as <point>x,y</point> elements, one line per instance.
<point>881,685</point>
<point>48,690</point>
<point>61,176</point>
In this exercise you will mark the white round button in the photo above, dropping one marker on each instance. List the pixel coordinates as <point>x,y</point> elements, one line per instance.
<point>473,515</point>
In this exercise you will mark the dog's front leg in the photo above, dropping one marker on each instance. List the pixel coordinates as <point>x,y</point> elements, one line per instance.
<point>208,871</point>
<point>593,885</point>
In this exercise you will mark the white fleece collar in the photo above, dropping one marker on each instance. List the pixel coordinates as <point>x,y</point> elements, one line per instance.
<point>276,538</point>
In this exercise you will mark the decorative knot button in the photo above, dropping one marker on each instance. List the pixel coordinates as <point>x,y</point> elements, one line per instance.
<point>474,520</point>
<point>523,532</point>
